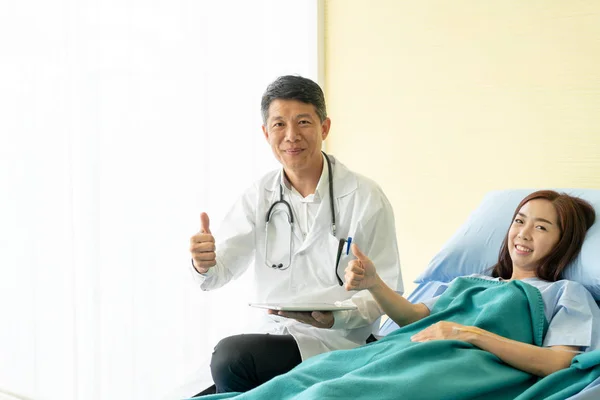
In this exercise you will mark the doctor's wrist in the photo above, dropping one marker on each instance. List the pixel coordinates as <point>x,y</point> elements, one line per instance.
<point>201,271</point>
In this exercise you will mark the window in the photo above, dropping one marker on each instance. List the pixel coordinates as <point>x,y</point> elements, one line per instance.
<point>121,122</point>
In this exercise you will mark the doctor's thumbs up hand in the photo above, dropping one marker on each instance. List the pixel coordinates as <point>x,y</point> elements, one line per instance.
<point>360,273</point>
<point>202,247</point>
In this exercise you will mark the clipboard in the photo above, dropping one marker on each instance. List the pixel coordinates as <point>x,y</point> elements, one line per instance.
<point>304,306</point>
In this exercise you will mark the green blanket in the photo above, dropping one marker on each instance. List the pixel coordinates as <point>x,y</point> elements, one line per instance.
<point>396,368</point>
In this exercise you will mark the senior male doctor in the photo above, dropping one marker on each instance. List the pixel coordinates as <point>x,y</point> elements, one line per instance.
<point>310,204</point>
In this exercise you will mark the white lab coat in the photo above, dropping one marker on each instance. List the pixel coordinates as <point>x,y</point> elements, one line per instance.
<point>362,212</point>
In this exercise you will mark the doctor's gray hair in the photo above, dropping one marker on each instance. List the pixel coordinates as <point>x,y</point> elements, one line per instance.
<point>292,87</point>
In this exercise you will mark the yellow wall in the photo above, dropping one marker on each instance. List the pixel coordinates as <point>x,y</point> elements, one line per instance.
<point>441,101</point>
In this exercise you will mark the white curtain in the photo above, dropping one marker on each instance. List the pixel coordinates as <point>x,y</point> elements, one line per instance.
<point>120,121</point>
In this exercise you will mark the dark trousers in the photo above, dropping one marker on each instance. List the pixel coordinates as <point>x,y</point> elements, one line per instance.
<point>242,362</point>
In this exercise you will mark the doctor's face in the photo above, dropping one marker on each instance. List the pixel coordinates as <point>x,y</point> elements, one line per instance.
<point>295,133</point>
<point>533,234</point>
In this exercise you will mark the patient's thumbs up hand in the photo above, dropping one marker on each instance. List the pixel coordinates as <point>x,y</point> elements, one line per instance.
<point>357,253</point>
<point>204,223</point>
<point>202,247</point>
<point>360,273</point>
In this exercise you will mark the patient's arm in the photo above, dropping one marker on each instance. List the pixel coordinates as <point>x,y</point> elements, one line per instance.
<point>540,361</point>
<point>361,274</point>
<point>400,310</point>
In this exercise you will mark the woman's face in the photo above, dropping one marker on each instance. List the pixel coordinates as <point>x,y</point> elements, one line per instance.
<point>533,234</point>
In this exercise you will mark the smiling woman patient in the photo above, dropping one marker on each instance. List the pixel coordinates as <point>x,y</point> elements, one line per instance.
<point>491,336</point>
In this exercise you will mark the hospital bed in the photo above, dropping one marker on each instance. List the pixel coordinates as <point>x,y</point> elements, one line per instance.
<point>475,246</point>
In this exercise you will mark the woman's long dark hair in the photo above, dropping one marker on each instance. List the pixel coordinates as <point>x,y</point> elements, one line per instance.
<point>575,216</point>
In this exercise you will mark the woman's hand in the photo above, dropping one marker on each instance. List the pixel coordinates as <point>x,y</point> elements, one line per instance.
<point>445,330</point>
<point>536,360</point>
<point>360,273</point>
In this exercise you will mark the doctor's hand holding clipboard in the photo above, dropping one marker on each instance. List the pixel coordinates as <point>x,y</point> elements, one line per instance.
<point>202,247</point>
<point>318,319</point>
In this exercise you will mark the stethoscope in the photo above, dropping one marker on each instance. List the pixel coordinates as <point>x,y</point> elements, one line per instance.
<point>290,217</point>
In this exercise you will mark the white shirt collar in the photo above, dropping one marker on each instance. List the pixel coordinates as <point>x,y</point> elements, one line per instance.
<point>322,185</point>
